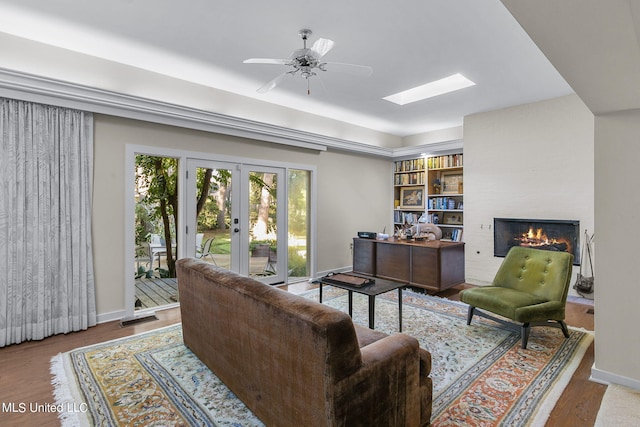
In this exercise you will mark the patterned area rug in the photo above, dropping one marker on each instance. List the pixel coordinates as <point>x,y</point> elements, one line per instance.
<point>481,376</point>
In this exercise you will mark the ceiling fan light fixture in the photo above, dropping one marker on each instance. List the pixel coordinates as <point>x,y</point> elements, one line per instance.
<point>429,90</point>
<point>305,61</point>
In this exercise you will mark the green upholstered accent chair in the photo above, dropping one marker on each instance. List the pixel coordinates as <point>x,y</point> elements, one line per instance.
<point>530,288</point>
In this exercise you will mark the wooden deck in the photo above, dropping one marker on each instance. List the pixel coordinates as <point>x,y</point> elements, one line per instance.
<point>156,292</point>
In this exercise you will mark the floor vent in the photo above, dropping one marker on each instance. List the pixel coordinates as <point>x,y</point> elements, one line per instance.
<point>130,322</point>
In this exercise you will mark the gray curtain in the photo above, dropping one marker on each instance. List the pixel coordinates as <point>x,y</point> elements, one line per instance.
<point>46,258</point>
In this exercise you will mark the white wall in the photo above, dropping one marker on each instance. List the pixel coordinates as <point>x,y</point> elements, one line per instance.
<point>617,292</point>
<point>354,193</point>
<point>530,161</point>
<point>594,45</point>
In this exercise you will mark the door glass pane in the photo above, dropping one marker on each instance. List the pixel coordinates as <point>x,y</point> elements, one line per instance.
<point>213,214</point>
<point>263,208</point>
<point>156,209</point>
<point>298,227</point>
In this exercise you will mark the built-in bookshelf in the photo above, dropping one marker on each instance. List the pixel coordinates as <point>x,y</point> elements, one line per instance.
<point>409,177</point>
<point>430,190</point>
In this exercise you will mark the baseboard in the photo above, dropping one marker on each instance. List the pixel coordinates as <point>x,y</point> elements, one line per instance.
<point>110,317</point>
<point>121,315</point>
<point>607,378</point>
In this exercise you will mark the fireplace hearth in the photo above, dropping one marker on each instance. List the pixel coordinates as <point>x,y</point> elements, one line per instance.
<point>552,235</point>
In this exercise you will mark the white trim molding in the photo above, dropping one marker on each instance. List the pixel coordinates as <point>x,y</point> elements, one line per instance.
<point>29,87</point>
<point>607,378</point>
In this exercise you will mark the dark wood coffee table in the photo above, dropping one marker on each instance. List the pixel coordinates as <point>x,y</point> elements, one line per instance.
<point>380,286</point>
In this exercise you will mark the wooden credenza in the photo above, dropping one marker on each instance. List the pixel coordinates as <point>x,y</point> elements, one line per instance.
<point>434,265</point>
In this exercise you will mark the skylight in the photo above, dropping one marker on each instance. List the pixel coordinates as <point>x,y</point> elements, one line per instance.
<point>429,90</point>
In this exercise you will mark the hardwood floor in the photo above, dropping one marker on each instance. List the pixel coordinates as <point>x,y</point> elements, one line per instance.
<point>25,376</point>
<point>24,368</point>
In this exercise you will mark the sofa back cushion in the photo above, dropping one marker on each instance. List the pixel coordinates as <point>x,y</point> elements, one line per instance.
<point>545,274</point>
<point>268,346</point>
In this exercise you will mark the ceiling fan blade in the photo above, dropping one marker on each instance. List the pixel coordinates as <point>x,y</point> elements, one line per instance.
<point>322,47</point>
<point>357,70</point>
<point>323,88</point>
<point>265,61</point>
<point>273,83</point>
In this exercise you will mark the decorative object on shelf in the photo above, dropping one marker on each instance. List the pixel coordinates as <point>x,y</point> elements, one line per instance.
<point>452,218</point>
<point>436,186</point>
<point>426,232</point>
<point>451,182</point>
<point>412,197</point>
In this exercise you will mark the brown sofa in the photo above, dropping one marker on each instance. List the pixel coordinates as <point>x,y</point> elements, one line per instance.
<point>295,362</point>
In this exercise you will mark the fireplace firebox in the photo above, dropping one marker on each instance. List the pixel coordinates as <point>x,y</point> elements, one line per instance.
<point>553,235</point>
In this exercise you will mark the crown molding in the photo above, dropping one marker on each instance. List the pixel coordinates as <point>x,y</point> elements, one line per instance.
<point>29,87</point>
<point>433,148</point>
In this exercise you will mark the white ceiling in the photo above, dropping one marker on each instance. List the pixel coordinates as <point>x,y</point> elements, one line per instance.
<point>407,43</point>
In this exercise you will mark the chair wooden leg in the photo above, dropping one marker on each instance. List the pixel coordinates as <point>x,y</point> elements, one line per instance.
<point>526,327</point>
<point>470,314</point>
<point>564,328</point>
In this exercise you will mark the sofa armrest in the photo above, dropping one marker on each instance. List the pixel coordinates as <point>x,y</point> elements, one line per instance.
<point>386,390</point>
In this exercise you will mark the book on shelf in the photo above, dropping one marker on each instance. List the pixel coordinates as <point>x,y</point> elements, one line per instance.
<point>446,161</point>
<point>443,203</point>
<point>411,217</point>
<point>404,217</point>
<point>409,165</point>
<point>425,217</point>
<point>456,235</point>
<point>409,178</point>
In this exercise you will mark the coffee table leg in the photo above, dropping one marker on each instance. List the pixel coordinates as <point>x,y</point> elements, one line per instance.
<point>320,292</point>
<point>372,310</point>
<point>350,304</point>
<point>400,307</point>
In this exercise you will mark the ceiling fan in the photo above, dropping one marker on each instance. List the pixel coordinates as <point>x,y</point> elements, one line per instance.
<point>306,62</point>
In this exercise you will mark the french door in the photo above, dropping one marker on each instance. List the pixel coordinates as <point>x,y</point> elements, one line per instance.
<point>236,217</point>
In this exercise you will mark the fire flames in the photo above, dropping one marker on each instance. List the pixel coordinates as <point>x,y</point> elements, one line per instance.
<point>537,238</point>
